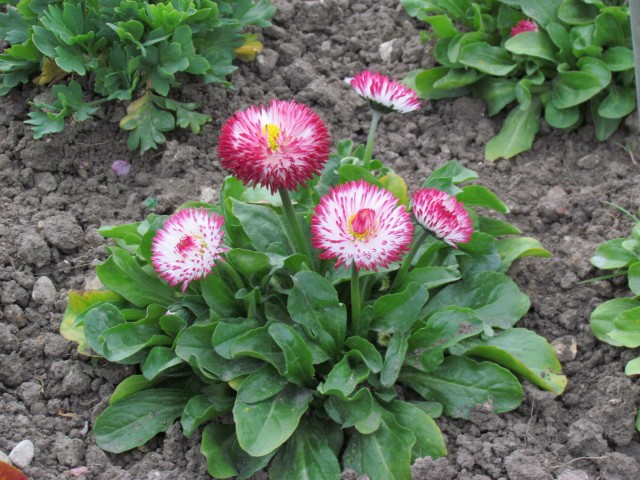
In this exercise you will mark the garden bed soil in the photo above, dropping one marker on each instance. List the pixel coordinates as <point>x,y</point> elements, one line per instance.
<point>56,192</point>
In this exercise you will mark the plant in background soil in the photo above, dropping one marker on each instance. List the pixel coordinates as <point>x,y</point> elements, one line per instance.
<point>316,319</point>
<point>564,60</point>
<point>124,50</point>
<point>616,321</point>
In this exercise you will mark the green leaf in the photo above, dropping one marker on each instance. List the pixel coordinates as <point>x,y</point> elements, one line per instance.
<point>349,411</point>
<point>461,383</point>
<point>456,78</point>
<point>479,196</point>
<point>249,262</point>
<point>297,356</point>
<point>262,225</point>
<point>510,249</point>
<point>430,277</point>
<point>384,454</point>
<point>121,273</point>
<point>573,88</point>
<point>306,455</point>
<point>146,123</point>
<point>313,303</point>
<point>263,426</point>
<point>369,352</point>
<point>619,102</point>
<point>219,296</point>
<point>561,118</point>
<point>522,351</point>
<point>79,302</point>
<point>423,81</point>
<point>127,339</point>
<point>216,400</point>
<point>627,328</point>
<point>397,312</point>
<point>134,420</point>
<point>496,93</point>
<point>225,458</point>
<point>611,255</point>
<point>99,319</point>
<point>632,367</point>
<point>532,44</point>
<point>605,127</point>
<point>262,384</point>
<point>444,329</point>
<point>442,26</point>
<point>542,11</point>
<point>345,376</point>
<point>517,133</point>
<point>618,58</point>
<point>597,68</point>
<point>131,385</point>
<point>429,441</point>
<point>487,59</point>
<point>496,228</point>
<point>494,297</point>
<point>160,360</point>
<point>194,346</point>
<point>577,12</point>
<point>603,318</point>
<point>257,343</point>
<point>634,278</point>
<point>394,358</point>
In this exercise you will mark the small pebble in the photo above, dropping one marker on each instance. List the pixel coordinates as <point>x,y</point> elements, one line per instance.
<point>566,348</point>
<point>22,454</point>
<point>44,292</point>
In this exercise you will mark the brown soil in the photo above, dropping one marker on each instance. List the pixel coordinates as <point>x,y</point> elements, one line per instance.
<point>57,191</point>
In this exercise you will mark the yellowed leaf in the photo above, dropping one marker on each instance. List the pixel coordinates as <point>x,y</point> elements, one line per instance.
<point>51,73</point>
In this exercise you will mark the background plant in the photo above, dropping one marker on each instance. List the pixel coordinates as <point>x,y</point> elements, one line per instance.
<point>268,338</point>
<point>616,321</point>
<point>577,66</point>
<point>123,50</point>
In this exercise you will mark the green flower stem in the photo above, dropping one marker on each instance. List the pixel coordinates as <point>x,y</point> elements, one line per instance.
<point>372,134</point>
<point>229,270</point>
<point>406,263</point>
<point>355,300</point>
<point>301,242</point>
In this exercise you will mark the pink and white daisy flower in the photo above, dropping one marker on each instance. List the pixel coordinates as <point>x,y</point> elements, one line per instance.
<point>383,94</point>
<point>443,215</point>
<point>282,145</point>
<point>524,26</point>
<point>187,246</point>
<point>362,224</point>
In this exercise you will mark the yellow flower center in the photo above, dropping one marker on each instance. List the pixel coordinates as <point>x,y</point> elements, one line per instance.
<point>363,223</point>
<point>273,133</point>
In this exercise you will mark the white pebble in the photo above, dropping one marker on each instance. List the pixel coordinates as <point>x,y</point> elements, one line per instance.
<point>386,49</point>
<point>22,454</point>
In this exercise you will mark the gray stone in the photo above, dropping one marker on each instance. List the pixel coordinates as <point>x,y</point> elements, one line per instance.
<point>388,52</point>
<point>76,382</point>
<point>8,341</point>
<point>55,346</point>
<point>33,249</point>
<point>69,451</point>
<point>522,465</point>
<point>267,61</point>
<point>12,292</point>
<point>22,454</point>
<point>11,370</point>
<point>566,348</point>
<point>208,195</point>
<point>573,475</point>
<point>44,292</point>
<point>30,392</point>
<point>45,182</point>
<point>63,232</point>
<point>95,457</point>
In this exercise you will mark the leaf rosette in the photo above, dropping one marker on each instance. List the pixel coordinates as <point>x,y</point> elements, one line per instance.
<point>268,337</point>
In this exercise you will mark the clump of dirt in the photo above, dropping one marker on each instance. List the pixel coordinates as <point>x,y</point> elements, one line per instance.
<point>57,191</point>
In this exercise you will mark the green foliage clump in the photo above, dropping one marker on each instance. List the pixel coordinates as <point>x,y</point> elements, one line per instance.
<point>128,50</point>
<point>616,321</point>
<point>578,65</point>
<point>268,339</point>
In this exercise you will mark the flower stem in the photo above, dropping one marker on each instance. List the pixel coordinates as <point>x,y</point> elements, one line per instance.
<point>406,263</point>
<point>368,152</point>
<point>355,300</point>
<point>301,242</point>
